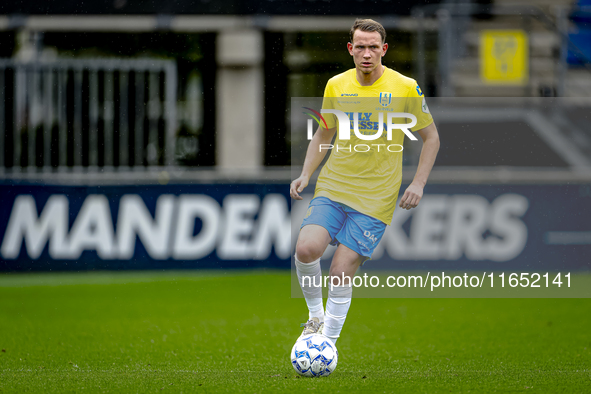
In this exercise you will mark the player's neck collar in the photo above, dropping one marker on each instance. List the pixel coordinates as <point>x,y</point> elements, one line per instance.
<point>384,69</point>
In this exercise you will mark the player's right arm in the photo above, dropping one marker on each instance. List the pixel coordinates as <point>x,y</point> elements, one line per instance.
<point>314,156</point>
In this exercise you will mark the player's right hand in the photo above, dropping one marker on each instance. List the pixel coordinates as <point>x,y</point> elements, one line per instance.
<point>298,186</point>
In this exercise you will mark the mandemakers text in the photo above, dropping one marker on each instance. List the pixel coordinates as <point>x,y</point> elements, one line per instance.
<point>249,226</point>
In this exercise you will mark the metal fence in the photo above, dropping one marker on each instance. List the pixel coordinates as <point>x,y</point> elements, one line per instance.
<point>87,113</point>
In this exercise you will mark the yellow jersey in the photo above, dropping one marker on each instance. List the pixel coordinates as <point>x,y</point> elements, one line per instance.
<point>366,174</point>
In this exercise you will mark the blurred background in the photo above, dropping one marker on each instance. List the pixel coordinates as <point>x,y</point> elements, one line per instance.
<point>156,135</point>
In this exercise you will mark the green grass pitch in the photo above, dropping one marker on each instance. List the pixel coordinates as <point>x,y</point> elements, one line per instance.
<point>228,332</point>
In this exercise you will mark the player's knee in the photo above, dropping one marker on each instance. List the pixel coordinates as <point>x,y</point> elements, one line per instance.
<point>336,272</point>
<point>307,251</point>
<point>338,277</point>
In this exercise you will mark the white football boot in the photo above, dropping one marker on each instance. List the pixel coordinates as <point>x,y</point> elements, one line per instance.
<point>312,326</point>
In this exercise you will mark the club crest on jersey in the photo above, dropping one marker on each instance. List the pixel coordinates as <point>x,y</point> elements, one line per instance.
<point>385,99</point>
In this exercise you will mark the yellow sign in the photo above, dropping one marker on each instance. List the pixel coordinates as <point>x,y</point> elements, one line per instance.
<point>504,57</point>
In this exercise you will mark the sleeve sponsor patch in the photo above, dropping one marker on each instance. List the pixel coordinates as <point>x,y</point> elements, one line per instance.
<point>424,106</point>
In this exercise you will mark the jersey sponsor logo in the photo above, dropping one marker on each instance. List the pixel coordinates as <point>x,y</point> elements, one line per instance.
<point>364,123</point>
<point>346,119</point>
<point>419,91</point>
<point>385,99</point>
<point>349,94</point>
<point>360,122</point>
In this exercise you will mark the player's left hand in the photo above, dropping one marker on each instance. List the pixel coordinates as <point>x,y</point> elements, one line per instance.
<point>411,197</point>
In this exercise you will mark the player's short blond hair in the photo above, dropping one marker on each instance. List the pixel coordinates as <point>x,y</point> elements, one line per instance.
<point>368,25</point>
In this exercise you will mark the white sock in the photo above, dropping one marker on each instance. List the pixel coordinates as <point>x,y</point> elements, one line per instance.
<point>337,306</point>
<point>313,286</point>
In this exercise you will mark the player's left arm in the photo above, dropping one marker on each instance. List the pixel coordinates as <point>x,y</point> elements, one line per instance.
<point>413,194</point>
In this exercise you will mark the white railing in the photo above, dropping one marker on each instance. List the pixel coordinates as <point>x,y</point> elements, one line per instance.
<point>87,113</point>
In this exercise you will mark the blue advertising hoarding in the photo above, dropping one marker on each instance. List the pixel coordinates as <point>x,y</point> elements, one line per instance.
<point>178,226</point>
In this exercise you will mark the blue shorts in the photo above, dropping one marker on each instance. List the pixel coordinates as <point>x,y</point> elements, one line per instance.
<point>358,232</point>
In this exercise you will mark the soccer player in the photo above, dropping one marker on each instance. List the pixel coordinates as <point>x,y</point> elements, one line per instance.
<point>356,191</point>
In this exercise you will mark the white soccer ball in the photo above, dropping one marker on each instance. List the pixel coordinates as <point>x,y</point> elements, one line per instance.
<point>314,355</point>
